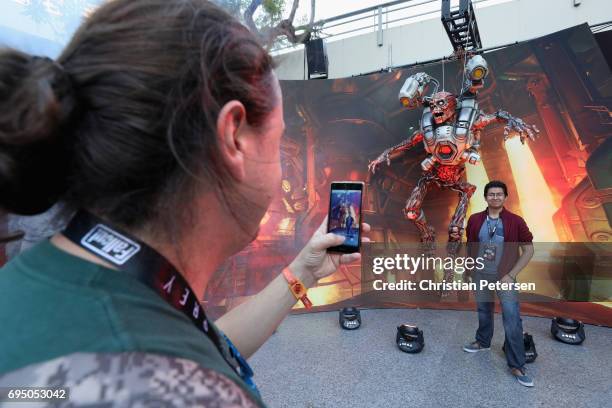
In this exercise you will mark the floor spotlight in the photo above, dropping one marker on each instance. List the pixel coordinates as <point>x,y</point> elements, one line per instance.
<point>409,338</point>
<point>568,331</point>
<point>350,318</point>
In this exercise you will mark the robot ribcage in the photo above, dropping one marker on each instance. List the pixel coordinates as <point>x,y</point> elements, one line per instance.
<point>447,141</point>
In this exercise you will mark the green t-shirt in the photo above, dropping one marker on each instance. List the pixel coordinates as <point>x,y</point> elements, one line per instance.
<point>53,304</point>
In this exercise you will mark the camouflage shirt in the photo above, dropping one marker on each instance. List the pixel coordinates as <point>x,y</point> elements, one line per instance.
<point>130,380</point>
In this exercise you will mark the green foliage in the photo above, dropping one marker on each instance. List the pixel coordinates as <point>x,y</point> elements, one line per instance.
<point>274,8</point>
<point>269,14</point>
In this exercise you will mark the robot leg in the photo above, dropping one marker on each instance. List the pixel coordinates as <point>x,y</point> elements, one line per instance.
<point>413,212</point>
<point>465,190</point>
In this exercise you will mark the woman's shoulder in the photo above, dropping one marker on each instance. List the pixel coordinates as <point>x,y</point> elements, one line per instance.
<point>125,379</point>
<point>94,310</point>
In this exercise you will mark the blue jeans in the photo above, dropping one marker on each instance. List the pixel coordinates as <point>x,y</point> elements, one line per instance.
<point>513,325</point>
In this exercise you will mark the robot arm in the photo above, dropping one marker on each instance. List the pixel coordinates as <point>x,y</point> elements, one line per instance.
<point>396,151</point>
<point>512,124</point>
<point>476,70</point>
<point>472,155</point>
<point>411,94</point>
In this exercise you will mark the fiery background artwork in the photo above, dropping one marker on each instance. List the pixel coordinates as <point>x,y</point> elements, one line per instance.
<point>561,184</point>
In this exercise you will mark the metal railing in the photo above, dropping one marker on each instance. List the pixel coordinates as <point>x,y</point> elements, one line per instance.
<point>382,16</point>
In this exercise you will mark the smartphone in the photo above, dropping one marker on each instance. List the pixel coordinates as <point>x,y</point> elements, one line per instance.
<point>345,214</point>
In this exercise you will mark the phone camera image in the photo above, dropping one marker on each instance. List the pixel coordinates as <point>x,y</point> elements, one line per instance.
<point>345,214</point>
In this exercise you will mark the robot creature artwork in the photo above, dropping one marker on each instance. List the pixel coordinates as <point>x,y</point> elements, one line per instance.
<point>450,130</point>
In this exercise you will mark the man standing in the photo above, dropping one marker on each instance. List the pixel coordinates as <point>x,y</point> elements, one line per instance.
<point>496,235</point>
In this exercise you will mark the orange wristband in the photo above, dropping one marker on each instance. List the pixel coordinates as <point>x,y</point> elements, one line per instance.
<point>297,288</point>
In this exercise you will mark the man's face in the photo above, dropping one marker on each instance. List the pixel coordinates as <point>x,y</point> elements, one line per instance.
<point>495,197</point>
<point>263,167</point>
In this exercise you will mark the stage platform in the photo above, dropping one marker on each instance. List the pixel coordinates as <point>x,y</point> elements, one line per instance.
<point>311,362</point>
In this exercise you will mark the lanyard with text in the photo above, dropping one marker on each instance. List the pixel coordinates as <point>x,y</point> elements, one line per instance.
<point>492,230</point>
<point>148,266</point>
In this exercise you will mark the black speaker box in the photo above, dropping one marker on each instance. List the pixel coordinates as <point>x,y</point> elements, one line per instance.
<point>316,56</point>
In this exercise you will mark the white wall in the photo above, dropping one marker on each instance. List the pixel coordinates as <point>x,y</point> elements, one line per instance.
<point>499,24</point>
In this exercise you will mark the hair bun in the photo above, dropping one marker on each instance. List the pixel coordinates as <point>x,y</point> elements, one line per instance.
<point>37,101</point>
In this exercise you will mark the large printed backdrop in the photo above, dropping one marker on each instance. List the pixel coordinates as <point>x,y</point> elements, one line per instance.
<point>561,184</point>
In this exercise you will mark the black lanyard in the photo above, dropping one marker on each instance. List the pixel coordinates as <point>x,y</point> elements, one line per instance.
<point>491,231</point>
<point>136,258</point>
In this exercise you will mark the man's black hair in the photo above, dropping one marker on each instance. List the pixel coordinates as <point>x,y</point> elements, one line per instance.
<point>496,183</point>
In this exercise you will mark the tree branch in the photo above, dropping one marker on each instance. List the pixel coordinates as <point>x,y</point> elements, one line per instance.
<point>296,4</point>
<point>284,28</point>
<point>248,15</point>
<point>312,13</point>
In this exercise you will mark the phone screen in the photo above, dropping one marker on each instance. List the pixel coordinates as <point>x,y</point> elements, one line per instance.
<point>345,214</point>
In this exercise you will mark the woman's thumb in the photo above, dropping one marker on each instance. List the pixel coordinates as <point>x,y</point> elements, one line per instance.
<point>328,240</point>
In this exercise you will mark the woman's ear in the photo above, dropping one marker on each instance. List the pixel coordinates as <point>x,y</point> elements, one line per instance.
<point>231,123</point>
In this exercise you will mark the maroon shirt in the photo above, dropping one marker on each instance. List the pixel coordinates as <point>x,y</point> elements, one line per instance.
<point>516,232</point>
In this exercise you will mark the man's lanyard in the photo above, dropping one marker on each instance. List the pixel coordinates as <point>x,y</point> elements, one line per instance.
<point>136,258</point>
<point>491,230</point>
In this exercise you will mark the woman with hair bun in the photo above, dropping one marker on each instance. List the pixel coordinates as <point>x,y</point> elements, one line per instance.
<point>159,127</point>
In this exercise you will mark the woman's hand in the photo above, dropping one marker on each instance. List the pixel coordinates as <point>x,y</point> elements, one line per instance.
<point>314,262</point>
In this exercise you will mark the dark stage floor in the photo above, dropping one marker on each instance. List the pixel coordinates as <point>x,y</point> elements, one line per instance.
<point>311,362</point>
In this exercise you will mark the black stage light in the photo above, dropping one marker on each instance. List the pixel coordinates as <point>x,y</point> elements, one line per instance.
<point>350,318</point>
<point>530,350</point>
<point>568,331</point>
<point>409,338</point>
